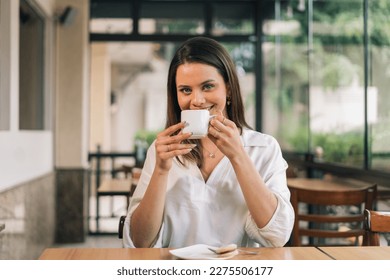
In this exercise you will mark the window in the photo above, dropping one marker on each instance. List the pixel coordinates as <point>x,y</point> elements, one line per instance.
<point>326,90</point>
<point>171,18</point>
<point>31,69</point>
<point>337,89</point>
<point>378,67</point>
<point>4,93</point>
<point>243,55</point>
<point>129,19</point>
<point>111,17</point>
<point>285,75</point>
<point>234,18</point>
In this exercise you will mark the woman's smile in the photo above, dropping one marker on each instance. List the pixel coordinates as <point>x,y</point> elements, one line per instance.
<point>200,86</point>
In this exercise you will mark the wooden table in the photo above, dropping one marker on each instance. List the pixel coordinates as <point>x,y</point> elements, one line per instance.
<point>285,253</point>
<point>334,184</point>
<point>114,187</point>
<point>358,253</point>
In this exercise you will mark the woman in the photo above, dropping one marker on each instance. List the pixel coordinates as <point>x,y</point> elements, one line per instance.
<point>228,187</point>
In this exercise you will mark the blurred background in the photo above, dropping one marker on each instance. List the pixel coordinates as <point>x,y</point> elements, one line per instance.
<point>83,94</point>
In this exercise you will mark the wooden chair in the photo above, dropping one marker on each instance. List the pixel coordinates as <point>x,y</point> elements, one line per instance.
<point>376,222</point>
<point>111,188</point>
<point>126,170</point>
<point>291,172</point>
<point>317,226</point>
<point>118,187</point>
<point>120,226</point>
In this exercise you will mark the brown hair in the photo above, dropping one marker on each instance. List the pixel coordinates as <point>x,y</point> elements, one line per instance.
<point>207,51</point>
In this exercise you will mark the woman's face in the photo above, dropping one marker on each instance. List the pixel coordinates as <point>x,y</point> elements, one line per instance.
<point>200,86</point>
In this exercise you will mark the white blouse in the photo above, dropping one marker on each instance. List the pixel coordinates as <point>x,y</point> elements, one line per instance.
<point>214,212</point>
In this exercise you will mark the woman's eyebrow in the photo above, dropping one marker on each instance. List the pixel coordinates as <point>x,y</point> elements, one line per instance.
<point>202,83</point>
<point>207,81</point>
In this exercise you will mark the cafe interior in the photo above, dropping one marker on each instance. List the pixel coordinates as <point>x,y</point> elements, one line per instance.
<point>83,96</point>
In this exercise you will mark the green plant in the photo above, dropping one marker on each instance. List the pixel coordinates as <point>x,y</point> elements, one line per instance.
<point>346,148</point>
<point>146,135</point>
<point>343,148</point>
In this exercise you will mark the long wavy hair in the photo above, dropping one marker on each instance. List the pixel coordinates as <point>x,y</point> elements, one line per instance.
<point>207,51</point>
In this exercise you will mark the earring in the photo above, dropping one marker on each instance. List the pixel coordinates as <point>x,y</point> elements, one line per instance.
<point>228,102</point>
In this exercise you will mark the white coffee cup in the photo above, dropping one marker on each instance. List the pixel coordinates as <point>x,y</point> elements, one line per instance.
<point>197,122</point>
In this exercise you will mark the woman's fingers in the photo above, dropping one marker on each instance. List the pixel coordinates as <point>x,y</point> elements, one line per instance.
<point>222,123</point>
<point>225,135</point>
<point>165,140</point>
<point>174,149</point>
<point>172,129</point>
<point>169,145</point>
<point>221,127</point>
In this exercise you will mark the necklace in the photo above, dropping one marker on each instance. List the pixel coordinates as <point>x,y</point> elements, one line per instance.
<point>211,154</point>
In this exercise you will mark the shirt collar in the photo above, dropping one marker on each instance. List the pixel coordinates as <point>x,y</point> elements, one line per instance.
<point>251,138</point>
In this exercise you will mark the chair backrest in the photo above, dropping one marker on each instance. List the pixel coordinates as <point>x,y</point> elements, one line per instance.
<point>120,226</point>
<point>376,222</point>
<point>125,169</point>
<point>319,222</point>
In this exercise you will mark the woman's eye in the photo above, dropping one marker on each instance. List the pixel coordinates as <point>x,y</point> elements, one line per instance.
<point>208,86</point>
<point>185,90</point>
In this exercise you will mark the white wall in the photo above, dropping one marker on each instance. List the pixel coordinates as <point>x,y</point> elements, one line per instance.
<point>139,83</point>
<point>24,155</point>
<point>142,105</point>
<point>72,99</point>
<point>100,97</point>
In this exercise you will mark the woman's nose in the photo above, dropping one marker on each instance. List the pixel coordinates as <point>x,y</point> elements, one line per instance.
<point>198,98</point>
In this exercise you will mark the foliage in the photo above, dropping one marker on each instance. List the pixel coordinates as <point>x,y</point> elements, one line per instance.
<point>379,22</point>
<point>335,60</point>
<point>298,139</point>
<point>337,71</point>
<point>343,148</point>
<point>347,148</point>
<point>146,135</point>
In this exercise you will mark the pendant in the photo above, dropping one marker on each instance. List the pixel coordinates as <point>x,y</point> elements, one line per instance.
<point>211,155</point>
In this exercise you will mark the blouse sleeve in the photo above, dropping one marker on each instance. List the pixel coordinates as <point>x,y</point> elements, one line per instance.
<point>277,232</point>
<point>139,192</point>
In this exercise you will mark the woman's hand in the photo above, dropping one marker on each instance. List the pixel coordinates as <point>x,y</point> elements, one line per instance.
<point>169,146</point>
<point>148,216</point>
<point>226,136</point>
<point>261,201</point>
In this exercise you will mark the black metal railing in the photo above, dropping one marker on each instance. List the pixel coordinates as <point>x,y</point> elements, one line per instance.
<point>105,165</point>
